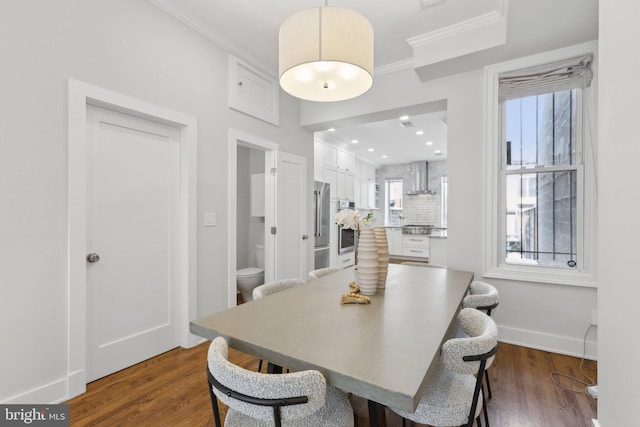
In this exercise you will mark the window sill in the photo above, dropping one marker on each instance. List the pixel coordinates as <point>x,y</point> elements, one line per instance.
<point>541,275</point>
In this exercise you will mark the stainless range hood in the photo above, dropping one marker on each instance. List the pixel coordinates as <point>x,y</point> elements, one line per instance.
<point>419,183</point>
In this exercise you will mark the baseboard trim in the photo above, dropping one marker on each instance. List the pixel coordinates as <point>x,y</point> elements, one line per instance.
<point>547,342</point>
<point>54,392</point>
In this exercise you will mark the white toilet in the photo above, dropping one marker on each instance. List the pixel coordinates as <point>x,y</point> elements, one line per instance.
<point>247,279</point>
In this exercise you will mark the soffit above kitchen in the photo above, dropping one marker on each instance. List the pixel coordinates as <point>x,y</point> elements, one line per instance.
<point>435,37</point>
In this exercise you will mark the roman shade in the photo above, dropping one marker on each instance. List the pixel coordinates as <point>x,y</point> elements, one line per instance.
<point>557,76</point>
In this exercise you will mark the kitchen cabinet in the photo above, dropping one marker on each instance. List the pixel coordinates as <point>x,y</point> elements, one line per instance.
<point>334,166</point>
<point>330,176</point>
<point>415,245</point>
<point>365,185</point>
<point>318,165</point>
<point>394,240</point>
<point>346,160</point>
<point>345,260</point>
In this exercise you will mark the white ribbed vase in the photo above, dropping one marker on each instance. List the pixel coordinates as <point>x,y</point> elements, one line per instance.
<point>367,262</point>
<point>383,255</point>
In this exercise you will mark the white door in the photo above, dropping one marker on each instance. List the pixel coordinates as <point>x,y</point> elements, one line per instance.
<point>291,217</point>
<point>133,178</point>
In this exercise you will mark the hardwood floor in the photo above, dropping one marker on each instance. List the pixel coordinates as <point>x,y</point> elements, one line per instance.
<point>171,390</point>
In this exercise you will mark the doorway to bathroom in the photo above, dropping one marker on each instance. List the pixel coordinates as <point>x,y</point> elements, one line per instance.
<point>285,234</point>
<point>250,220</point>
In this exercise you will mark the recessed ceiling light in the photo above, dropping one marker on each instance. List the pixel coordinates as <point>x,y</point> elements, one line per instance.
<point>384,156</point>
<point>420,132</point>
<point>429,142</point>
<point>354,141</point>
<point>370,149</point>
<point>403,118</point>
<point>437,152</point>
<point>331,129</point>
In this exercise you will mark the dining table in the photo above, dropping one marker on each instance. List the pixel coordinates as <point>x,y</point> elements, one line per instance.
<point>383,351</point>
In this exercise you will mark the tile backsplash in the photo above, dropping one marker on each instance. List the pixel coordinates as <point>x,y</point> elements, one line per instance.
<point>422,209</point>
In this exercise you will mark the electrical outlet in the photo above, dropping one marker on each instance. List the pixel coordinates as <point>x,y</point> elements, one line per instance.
<point>594,317</point>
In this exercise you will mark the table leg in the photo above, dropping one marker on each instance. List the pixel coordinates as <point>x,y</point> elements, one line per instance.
<point>376,414</point>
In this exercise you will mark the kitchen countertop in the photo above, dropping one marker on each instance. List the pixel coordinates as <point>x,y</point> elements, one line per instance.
<point>441,233</point>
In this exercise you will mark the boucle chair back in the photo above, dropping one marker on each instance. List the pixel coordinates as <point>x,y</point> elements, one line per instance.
<point>483,338</point>
<point>482,296</point>
<point>316,274</point>
<point>273,287</point>
<point>265,386</point>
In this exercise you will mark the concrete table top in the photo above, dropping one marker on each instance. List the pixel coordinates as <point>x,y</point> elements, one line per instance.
<point>382,351</point>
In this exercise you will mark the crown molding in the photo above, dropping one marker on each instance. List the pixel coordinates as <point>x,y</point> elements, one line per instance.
<point>473,35</point>
<point>461,28</point>
<point>393,67</point>
<point>170,8</point>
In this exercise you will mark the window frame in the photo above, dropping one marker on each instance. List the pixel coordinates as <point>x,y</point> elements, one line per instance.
<point>494,262</point>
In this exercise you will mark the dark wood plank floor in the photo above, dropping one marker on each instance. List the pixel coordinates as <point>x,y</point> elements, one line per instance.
<point>171,390</point>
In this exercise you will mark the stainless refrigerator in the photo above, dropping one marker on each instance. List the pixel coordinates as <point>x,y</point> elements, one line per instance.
<point>322,224</point>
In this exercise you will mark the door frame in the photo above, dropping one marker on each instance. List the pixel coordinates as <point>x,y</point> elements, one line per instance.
<point>238,138</point>
<point>80,95</point>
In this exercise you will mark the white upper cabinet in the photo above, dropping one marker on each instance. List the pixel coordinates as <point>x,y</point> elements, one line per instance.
<point>318,166</point>
<point>329,156</point>
<point>346,161</point>
<point>253,92</point>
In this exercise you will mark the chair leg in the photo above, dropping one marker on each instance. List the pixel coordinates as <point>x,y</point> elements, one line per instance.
<point>486,416</point>
<point>478,421</point>
<point>214,406</point>
<point>260,366</point>
<point>486,376</point>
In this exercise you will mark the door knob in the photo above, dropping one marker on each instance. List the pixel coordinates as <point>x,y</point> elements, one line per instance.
<point>305,237</point>
<point>93,257</point>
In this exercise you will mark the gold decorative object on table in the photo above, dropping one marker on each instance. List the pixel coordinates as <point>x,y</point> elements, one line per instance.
<point>354,297</point>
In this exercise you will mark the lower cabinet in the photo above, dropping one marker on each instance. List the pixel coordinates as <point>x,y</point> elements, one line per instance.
<point>415,245</point>
<point>394,240</point>
<point>345,260</point>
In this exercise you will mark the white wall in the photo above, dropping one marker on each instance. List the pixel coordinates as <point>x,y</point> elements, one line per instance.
<point>551,317</point>
<point>129,47</point>
<point>243,210</point>
<point>250,229</point>
<point>619,205</point>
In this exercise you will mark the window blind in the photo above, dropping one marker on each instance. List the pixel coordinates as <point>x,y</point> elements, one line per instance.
<point>553,77</point>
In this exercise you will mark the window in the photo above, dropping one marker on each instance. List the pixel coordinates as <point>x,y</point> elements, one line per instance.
<point>540,178</point>
<point>393,196</point>
<point>539,216</point>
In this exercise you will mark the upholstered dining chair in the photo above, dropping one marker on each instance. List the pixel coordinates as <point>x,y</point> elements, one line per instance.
<point>454,393</point>
<point>256,400</point>
<point>316,274</point>
<point>482,296</point>
<point>271,288</point>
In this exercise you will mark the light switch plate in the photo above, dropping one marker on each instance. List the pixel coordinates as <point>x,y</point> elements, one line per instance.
<point>210,219</point>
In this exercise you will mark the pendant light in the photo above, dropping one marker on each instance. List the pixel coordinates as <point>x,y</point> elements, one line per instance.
<point>326,54</point>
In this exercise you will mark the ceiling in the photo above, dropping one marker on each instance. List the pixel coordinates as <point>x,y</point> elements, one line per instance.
<point>388,142</point>
<point>434,37</point>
